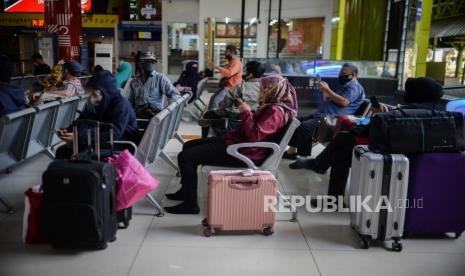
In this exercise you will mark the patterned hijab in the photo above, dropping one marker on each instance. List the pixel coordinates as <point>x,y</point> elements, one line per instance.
<point>276,90</point>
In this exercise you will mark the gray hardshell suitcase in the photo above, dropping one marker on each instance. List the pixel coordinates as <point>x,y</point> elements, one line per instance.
<point>383,178</point>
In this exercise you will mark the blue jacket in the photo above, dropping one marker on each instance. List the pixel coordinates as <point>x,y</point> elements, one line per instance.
<point>113,108</point>
<point>12,98</point>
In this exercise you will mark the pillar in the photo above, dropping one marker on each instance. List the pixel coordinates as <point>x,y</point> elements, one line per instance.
<point>422,31</point>
<point>337,32</point>
<point>63,17</point>
<point>458,64</point>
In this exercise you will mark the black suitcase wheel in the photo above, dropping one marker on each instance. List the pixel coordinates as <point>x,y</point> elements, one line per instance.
<point>204,222</point>
<point>364,244</point>
<point>396,246</point>
<point>267,231</point>
<point>208,232</point>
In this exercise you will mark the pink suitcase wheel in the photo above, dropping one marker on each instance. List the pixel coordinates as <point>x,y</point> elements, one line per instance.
<point>208,232</point>
<point>268,231</point>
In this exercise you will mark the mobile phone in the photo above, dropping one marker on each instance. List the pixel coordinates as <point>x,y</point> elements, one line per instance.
<point>374,102</point>
<point>318,78</point>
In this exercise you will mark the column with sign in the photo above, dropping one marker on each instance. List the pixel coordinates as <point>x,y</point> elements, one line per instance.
<point>63,18</point>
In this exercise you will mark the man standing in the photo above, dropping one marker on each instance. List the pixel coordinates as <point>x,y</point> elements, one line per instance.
<point>233,71</point>
<point>148,89</point>
<point>343,102</point>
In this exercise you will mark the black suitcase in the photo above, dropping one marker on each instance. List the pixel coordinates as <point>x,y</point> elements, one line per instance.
<point>79,201</point>
<point>417,131</point>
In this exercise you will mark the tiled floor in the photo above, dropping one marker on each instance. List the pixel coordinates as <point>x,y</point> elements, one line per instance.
<point>319,244</point>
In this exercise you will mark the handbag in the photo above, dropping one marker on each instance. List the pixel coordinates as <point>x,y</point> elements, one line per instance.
<point>417,131</point>
<point>32,230</point>
<point>134,180</point>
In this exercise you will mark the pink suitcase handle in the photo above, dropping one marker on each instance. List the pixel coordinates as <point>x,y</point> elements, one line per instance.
<point>244,183</point>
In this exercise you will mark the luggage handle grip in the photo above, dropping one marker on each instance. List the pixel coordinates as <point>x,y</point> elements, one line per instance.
<point>244,183</point>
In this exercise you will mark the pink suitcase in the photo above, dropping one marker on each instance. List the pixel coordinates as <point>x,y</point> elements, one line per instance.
<point>236,201</point>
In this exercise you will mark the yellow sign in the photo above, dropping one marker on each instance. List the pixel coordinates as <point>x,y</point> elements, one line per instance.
<point>37,19</point>
<point>20,19</point>
<point>99,21</point>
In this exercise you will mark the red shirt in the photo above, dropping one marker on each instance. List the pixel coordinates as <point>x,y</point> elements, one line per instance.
<point>264,124</point>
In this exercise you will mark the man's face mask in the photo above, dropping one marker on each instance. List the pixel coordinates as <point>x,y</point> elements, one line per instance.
<point>343,79</point>
<point>148,67</point>
<point>228,55</point>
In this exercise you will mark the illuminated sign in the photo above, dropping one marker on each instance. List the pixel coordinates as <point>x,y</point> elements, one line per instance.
<point>37,20</point>
<point>36,5</point>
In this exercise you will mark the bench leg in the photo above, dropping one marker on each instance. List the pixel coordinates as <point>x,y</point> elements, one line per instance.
<point>155,204</point>
<point>168,160</point>
<point>4,202</point>
<point>179,138</point>
<point>293,208</point>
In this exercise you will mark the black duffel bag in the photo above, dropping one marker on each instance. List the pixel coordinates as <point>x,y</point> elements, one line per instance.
<point>416,131</point>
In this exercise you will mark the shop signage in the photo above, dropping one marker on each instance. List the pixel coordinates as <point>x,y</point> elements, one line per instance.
<point>295,41</point>
<point>36,5</point>
<point>37,20</point>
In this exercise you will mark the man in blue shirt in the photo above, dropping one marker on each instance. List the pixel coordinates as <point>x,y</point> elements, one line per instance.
<point>148,89</point>
<point>343,102</point>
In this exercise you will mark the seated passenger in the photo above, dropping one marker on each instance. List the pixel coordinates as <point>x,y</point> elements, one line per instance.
<point>148,90</point>
<point>247,90</point>
<point>71,82</point>
<point>343,102</point>
<point>277,106</point>
<point>189,79</point>
<point>105,105</point>
<point>12,98</point>
<point>40,67</point>
<point>419,93</point>
<point>219,95</point>
<point>123,73</point>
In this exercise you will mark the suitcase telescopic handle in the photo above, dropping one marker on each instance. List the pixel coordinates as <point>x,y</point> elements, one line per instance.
<point>91,123</point>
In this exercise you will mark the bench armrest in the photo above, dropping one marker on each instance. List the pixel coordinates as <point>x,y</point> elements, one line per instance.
<point>233,150</point>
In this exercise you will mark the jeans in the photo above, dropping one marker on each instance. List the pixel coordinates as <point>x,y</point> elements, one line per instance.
<point>209,151</point>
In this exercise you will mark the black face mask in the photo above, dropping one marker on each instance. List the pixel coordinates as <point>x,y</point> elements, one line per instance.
<point>343,79</point>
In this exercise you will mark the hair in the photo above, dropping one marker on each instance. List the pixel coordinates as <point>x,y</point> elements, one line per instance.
<point>232,48</point>
<point>98,68</point>
<point>422,90</point>
<point>223,82</point>
<point>353,69</point>
<point>37,56</point>
<point>208,73</point>
<point>255,68</point>
<point>7,68</point>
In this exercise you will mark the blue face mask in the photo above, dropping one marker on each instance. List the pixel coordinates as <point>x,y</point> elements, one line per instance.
<point>148,67</point>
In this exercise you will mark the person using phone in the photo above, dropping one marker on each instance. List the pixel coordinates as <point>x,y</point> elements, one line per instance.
<point>420,93</point>
<point>344,101</point>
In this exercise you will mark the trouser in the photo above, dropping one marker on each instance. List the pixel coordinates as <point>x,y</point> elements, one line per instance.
<point>210,151</point>
<point>338,156</point>
<point>217,98</point>
<point>302,138</point>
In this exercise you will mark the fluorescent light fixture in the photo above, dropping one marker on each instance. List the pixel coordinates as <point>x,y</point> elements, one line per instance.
<point>227,20</point>
<point>253,20</point>
<point>335,19</point>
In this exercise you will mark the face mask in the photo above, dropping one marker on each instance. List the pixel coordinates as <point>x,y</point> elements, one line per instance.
<point>343,79</point>
<point>148,67</point>
<point>95,101</point>
<point>228,56</point>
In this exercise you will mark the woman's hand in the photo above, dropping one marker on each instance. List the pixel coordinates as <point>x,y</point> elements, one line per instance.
<point>243,106</point>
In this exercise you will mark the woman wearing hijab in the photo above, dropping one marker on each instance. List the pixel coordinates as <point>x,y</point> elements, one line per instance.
<point>189,79</point>
<point>277,107</point>
<point>105,105</point>
<point>123,73</point>
<point>420,93</point>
